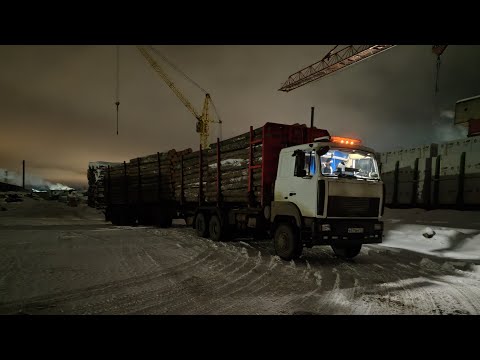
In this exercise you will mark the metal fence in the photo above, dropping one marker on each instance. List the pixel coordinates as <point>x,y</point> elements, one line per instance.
<point>433,176</point>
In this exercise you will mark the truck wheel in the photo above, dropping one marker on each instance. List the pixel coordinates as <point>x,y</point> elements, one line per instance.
<point>215,228</point>
<point>347,252</point>
<point>189,221</point>
<point>287,243</point>
<point>201,225</point>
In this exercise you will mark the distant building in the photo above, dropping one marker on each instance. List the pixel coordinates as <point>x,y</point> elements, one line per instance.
<point>10,187</point>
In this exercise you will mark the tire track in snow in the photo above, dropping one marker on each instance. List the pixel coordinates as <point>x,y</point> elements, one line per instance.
<point>418,299</point>
<point>391,292</point>
<point>167,287</point>
<point>465,297</point>
<point>379,281</point>
<point>181,290</point>
<point>178,293</point>
<point>349,299</point>
<point>105,288</point>
<point>246,303</point>
<point>448,295</point>
<point>280,295</point>
<point>144,300</point>
<point>217,293</point>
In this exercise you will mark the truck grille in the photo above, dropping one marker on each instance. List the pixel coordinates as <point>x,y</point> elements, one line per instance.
<point>344,206</point>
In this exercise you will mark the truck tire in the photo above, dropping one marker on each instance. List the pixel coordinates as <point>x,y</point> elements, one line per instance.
<point>347,252</point>
<point>201,226</point>
<point>287,243</point>
<point>215,228</point>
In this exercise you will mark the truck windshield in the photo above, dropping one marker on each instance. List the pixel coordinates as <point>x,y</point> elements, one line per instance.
<point>350,163</point>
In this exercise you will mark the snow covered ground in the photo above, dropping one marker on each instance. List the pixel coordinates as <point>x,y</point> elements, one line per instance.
<point>56,259</point>
<point>457,233</point>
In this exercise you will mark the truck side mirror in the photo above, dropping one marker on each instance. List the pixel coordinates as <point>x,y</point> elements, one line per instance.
<point>299,163</point>
<point>301,173</point>
<point>323,150</point>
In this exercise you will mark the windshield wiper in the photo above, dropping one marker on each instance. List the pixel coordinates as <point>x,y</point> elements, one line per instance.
<point>347,176</point>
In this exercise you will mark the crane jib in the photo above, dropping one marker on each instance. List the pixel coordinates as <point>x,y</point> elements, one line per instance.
<point>204,119</point>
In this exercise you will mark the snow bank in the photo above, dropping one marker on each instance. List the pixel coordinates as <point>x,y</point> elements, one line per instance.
<point>448,218</point>
<point>31,181</point>
<point>456,234</point>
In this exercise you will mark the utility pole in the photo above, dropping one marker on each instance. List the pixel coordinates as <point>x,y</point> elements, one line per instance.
<point>23,177</point>
<point>311,117</point>
<point>311,123</point>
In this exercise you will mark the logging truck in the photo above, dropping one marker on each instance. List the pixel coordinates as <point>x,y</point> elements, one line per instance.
<point>293,183</point>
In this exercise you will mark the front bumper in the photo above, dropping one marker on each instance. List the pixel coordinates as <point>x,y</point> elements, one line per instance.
<point>339,232</point>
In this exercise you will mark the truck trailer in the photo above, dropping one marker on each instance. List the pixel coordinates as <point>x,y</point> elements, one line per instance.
<point>297,185</point>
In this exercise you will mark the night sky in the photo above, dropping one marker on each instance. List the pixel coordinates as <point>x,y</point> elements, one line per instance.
<point>57,107</point>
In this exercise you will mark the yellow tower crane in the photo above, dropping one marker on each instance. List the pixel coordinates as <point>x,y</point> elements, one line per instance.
<point>205,117</point>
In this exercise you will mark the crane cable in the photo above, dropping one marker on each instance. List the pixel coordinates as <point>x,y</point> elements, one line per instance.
<point>176,68</point>
<point>164,58</point>
<point>327,57</point>
<point>117,92</point>
<point>220,136</point>
<point>438,74</point>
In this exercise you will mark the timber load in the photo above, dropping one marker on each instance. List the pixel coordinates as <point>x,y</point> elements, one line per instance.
<point>239,170</point>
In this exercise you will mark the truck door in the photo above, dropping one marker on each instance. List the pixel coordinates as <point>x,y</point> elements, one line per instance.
<point>297,180</point>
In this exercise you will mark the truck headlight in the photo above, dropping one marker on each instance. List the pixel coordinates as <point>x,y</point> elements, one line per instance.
<point>326,227</point>
<point>377,227</point>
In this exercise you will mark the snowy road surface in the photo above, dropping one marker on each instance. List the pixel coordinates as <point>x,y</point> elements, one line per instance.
<point>56,259</point>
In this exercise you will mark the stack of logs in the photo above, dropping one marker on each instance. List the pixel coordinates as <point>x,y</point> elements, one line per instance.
<point>149,178</point>
<point>234,160</point>
<point>96,186</point>
<point>117,185</point>
<point>91,186</point>
<point>191,176</point>
<point>161,174</point>
<point>155,180</point>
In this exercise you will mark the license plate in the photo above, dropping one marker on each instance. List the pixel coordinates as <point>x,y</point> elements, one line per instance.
<point>355,230</point>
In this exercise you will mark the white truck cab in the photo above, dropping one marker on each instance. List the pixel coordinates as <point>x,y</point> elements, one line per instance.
<point>328,192</point>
